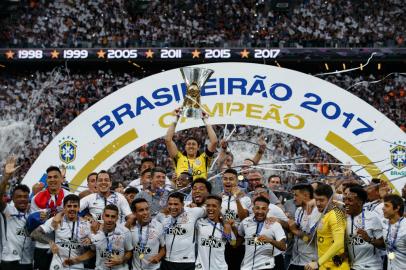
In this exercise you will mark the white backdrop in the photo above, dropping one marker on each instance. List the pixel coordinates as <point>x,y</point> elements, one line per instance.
<point>238,93</point>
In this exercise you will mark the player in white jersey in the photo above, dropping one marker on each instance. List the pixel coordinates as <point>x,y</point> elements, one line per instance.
<point>212,236</point>
<point>201,188</point>
<point>374,203</point>
<point>71,234</point>
<point>303,227</point>
<point>275,213</point>
<point>394,232</point>
<point>112,242</point>
<point>235,206</point>
<point>179,228</point>
<point>363,232</point>
<point>48,203</point>
<point>18,247</point>
<point>147,237</point>
<point>96,202</point>
<point>8,172</point>
<point>261,236</point>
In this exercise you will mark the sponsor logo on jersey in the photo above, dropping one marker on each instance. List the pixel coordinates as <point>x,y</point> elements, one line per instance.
<point>176,230</point>
<point>70,243</point>
<point>355,240</point>
<point>145,250</point>
<point>212,242</point>
<point>107,254</point>
<point>230,214</point>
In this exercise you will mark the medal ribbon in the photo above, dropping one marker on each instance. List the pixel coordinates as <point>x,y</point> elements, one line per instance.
<point>142,243</point>
<point>392,241</point>
<point>223,234</point>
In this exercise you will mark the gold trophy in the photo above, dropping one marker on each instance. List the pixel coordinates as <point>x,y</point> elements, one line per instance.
<point>194,78</point>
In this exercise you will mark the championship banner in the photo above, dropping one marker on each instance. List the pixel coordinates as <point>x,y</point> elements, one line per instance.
<point>304,106</point>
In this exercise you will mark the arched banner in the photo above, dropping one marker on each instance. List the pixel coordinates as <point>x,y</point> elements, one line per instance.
<point>238,93</point>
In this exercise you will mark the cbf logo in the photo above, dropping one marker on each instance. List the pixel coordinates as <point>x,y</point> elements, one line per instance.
<point>67,149</point>
<point>398,155</point>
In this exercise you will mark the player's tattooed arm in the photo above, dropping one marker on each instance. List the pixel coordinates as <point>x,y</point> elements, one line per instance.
<point>39,235</point>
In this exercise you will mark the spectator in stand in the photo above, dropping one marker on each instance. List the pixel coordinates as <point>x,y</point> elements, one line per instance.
<point>311,23</point>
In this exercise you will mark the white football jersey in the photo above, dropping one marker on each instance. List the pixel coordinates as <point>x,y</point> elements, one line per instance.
<point>303,252</point>
<point>115,243</point>
<point>68,237</point>
<point>96,203</point>
<point>147,241</point>
<point>363,255</point>
<point>17,243</point>
<point>211,245</point>
<point>259,255</point>
<point>396,234</point>
<point>229,207</point>
<point>34,208</point>
<point>179,234</point>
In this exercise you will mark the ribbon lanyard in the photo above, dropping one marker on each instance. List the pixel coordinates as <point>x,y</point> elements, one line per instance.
<point>109,246</point>
<point>223,234</point>
<point>257,232</point>
<point>140,242</point>
<point>229,201</point>
<point>173,224</point>
<point>362,222</point>
<point>190,167</point>
<point>299,218</point>
<point>212,236</point>
<point>74,233</point>
<point>392,241</point>
<point>260,224</point>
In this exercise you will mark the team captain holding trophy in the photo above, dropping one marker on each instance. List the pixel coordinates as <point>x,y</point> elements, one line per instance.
<point>191,160</point>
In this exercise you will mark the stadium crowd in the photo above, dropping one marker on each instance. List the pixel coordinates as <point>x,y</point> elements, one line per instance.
<point>309,23</point>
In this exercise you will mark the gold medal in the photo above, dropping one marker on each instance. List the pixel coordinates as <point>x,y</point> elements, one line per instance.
<point>233,242</point>
<point>141,256</point>
<point>305,238</point>
<point>240,177</point>
<point>391,255</point>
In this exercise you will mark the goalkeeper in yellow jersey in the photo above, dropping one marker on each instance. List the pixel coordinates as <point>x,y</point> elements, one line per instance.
<point>330,233</point>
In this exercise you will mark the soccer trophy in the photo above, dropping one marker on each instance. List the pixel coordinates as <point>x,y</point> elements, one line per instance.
<point>194,78</point>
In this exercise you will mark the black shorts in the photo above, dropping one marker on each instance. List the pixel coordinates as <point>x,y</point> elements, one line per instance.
<point>295,267</point>
<point>42,258</point>
<point>15,265</point>
<point>234,256</point>
<point>165,265</point>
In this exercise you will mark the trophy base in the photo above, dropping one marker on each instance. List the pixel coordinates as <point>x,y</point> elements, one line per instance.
<point>192,113</point>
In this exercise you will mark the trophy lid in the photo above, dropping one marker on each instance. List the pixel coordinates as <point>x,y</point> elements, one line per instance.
<point>196,75</point>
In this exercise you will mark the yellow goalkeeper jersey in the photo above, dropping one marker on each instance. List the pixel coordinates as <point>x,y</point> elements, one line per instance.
<point>197,167</point>
<point>330,239</point>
